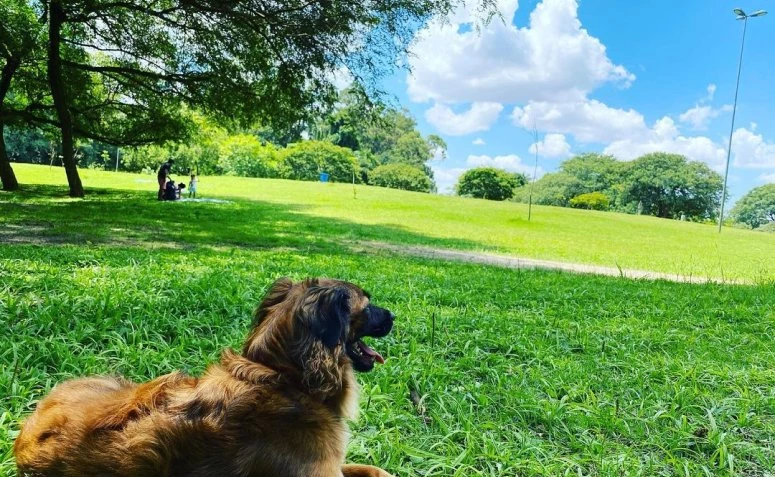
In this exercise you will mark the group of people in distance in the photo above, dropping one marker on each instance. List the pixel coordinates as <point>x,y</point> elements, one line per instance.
<point>168,190</point>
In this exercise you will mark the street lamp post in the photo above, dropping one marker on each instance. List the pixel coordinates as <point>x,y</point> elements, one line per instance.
<point>741,15</point>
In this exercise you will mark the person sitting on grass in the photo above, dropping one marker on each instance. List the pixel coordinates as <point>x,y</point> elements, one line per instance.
<point>163,175</point>
<point>192,186</point>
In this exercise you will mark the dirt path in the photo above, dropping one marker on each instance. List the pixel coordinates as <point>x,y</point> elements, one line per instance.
<point>531,263</point>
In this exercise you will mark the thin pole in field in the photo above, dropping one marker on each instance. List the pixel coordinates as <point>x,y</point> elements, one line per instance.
<point>535,171</point>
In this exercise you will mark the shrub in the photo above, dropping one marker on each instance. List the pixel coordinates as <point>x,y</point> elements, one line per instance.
<point>401,176</point>
<point>591,201</point>
<point>306,160</point>
<point>489,183</point>
<point>244,155</point>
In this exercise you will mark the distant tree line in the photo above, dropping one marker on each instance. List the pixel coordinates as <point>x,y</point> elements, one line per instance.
<point>354,140</point>
<point>659,184</point>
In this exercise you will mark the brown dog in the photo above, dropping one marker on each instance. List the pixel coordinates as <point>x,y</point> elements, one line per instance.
<point>278,409</point>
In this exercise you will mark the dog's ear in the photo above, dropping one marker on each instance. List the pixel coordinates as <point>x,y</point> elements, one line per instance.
<point>326,310</point>
<point>277,293</point>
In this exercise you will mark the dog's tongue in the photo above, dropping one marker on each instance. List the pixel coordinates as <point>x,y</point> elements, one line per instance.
<point>370,352</point>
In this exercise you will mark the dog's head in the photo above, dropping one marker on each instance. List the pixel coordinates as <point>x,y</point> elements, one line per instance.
<point>317,327</point>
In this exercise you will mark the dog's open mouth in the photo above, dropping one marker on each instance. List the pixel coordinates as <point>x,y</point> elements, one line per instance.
<point>362,356</point>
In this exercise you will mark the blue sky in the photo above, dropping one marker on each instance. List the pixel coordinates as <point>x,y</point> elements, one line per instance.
<point>620,77</point>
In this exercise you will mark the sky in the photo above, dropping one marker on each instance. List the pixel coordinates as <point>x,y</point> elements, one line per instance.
<point>619,77</point>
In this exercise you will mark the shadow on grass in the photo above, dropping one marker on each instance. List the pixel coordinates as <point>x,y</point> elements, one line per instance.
<point>46,215</point>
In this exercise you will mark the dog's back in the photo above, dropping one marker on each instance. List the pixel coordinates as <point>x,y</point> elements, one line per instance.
<point>177,425</point>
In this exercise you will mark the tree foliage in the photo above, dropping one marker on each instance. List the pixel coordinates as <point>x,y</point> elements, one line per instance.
<point>306,160</point>
<point>666,185</point>
<point>119,71</point>
<point>556,188</point>
<point>401,176</point>
<point>591,201</point>
<point>756,208</point>
<point>380,134</point>
<point>489,183</point>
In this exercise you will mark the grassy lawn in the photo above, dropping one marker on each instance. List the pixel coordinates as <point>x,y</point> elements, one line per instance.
<point>524,373</point>
<point>328,212</point>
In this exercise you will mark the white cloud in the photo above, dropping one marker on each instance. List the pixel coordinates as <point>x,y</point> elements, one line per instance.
<point>552,146</point>
<point>553,58</point>
<point>479,117</point>
<point>699,116</point>
<point>511,163</point>
<point>446,178</point>
<point>767,178</point>
<point>711,92</point>
<point>588,120</point>
<point>752,151</point>
<point>664,137</point>
<point>478,142</point>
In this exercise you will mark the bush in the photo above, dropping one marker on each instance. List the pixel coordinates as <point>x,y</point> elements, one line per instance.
<point>489,183</point>
<point>244,155</point>
<point>591,201</point>
<point>401,176</point>
<point>306,160</point>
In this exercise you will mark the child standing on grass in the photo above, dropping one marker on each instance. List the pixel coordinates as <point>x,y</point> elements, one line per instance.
<point>192,186</point>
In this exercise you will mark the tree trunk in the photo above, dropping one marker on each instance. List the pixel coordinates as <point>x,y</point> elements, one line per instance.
<point>7,177</point>
<point>56,83</point>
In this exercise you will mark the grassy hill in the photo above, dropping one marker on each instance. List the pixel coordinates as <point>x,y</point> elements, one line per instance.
<point>601,238</point>
<point>529,373</point>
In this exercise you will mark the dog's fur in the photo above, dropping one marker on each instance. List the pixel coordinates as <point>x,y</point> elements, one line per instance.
<point>278,409</point>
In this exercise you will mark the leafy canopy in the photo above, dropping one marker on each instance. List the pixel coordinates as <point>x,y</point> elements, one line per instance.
<point>757,207</point>
<point>489,183</point>
<point>401,176</point>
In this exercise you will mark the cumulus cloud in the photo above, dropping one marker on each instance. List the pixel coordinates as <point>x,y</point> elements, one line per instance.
<point>446,177</point>
<point>752,151</point>
<point>767,178</point>
<point>664,136</point>
<point>588,120</point>
<point>510,162</point>
<point>552,146</point>
<point>478,142</point>
<point>711,92</point>
<point>552,58</point>
<point>699,116</point>
<point>479,117</point>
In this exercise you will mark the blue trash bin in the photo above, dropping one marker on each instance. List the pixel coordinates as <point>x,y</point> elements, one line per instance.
<point>323,177</point>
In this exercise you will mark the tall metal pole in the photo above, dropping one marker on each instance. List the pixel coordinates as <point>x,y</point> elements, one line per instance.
<point>535,170</point>
<point>732,129</point>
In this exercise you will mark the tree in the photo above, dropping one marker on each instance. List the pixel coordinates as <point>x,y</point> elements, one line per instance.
<point>401,176</point>
<point>378,133</point>
<point>591,201</point>
<point>489,183</point>
<point>757,207</point>
<point>556,188</point>
<point>19,34</point>
<point>668,185</point>
<point>249,60</point>
<point>596,173</point>
<point>306,160</point>
<point>244,155</point>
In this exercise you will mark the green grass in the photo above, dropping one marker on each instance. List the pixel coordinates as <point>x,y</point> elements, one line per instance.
<point>518,372</point>
<point>609,239</point>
